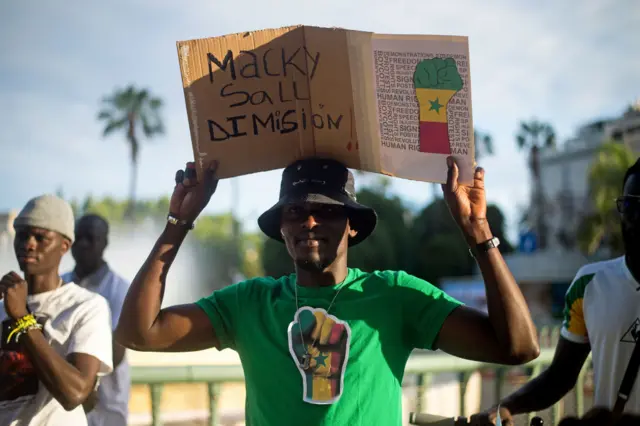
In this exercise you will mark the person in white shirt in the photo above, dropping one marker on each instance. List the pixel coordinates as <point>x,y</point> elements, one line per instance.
<point>56,339</point>
<point>93,273</point>
<point>602,316</point>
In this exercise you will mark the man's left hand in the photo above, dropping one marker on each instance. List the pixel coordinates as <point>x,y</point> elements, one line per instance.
<point>467,204</point>
<point>14,291</point>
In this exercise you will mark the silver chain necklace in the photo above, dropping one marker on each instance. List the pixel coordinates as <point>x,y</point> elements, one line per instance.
<point>306,358</point>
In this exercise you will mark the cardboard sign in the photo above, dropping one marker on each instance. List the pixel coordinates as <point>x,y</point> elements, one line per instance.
<point>391,104</point>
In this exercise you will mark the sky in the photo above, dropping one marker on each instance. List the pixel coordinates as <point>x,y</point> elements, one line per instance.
<point>563,62</point>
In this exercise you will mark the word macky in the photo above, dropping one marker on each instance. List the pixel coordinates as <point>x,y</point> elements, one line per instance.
<point>270,63</point>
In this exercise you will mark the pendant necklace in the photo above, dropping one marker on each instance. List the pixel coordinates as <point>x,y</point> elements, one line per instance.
<point>306,358</point>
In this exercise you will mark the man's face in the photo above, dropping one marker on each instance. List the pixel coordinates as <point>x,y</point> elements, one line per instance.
<point>91,240</point>
<point>630,213</point>
<point>315,234</point>
<point>38,250</point>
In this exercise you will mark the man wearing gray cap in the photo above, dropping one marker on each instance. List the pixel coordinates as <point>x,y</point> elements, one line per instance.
<point>56,340</point>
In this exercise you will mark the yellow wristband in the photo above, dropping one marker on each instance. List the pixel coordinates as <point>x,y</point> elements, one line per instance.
<point>22,324</point>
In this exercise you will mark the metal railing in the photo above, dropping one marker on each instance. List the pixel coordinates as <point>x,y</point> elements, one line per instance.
<point>424,367</point>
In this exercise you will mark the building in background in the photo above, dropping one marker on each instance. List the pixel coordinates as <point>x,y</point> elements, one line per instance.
<point>545,275</point>
<point>565,175</point>
<point>626,129</point>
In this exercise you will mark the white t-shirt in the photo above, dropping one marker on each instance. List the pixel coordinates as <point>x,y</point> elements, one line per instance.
<point>602,308</point>
<point>74,320</point>
<point>112,408</point>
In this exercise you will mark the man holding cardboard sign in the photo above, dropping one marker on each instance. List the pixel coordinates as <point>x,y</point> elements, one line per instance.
<point>328,344</point>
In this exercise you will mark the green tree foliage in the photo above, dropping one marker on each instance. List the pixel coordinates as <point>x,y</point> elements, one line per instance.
<point>385,248</point>
<point>483,144</point>
<point>601,227</point>
<point>439,247</point>
<point>221,258</point>
<point>429,245</point>
<point>276,261</point>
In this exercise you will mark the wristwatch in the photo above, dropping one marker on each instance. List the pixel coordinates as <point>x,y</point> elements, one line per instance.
<point>488,245</point>
<point>175,221</point>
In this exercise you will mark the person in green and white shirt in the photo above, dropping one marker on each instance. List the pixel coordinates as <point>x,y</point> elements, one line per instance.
<point>601,316</point>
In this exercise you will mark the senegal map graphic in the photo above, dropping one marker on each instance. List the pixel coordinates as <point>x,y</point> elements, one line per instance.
<point>322,381</point>
<point>436,81</point>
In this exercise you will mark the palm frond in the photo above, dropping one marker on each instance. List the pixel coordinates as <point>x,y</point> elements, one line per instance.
<point>124,99</point>
<point>549,136</point>
<point>155,103</point>
<point>483,142</point>
<point>151,127</point>
<point>105,115</point>
<point>487,141</point>
<point>536,133</point>
<point>140,100</point>
<point>129,103</point>
<point>114,125</point>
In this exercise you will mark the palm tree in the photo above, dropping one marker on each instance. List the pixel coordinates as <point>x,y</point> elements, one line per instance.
<point>602,226</point>
<point>535,136</point>
<point>131,109</point>
<point>483,144</point>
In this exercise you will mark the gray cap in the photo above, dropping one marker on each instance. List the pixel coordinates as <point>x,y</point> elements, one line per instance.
<point>48,212</point>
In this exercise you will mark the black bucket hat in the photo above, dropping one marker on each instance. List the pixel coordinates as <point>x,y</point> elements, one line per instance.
<point>318,180</point>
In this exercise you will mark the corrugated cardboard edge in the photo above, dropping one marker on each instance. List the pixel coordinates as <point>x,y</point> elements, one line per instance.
<point>472,134</point>
<point>184,49</point>
<point>431,38</point>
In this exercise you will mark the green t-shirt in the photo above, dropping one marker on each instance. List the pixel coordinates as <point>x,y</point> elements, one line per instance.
<point>354,375</point>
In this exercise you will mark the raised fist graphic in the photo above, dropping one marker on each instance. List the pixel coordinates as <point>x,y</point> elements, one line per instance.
<point>319,345</point>
<point>436,81</point>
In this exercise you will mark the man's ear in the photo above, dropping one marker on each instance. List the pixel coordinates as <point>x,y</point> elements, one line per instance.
<point>65,246</point>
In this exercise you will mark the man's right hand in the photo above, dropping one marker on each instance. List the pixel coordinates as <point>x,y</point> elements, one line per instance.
<point>488,418</point>
<point>191,195</point>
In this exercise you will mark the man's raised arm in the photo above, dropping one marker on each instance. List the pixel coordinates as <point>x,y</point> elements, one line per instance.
<point>507,334</point>
<point>143,326</point>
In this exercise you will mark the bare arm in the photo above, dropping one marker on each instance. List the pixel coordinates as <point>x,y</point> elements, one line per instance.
<point>118,353</point>
<point>553,383</point>
<point>143,326</point>
<point>507,334</point>
<point>70,380</point>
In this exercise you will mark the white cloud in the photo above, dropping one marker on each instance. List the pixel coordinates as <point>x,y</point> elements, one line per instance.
<point>564,62</point>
